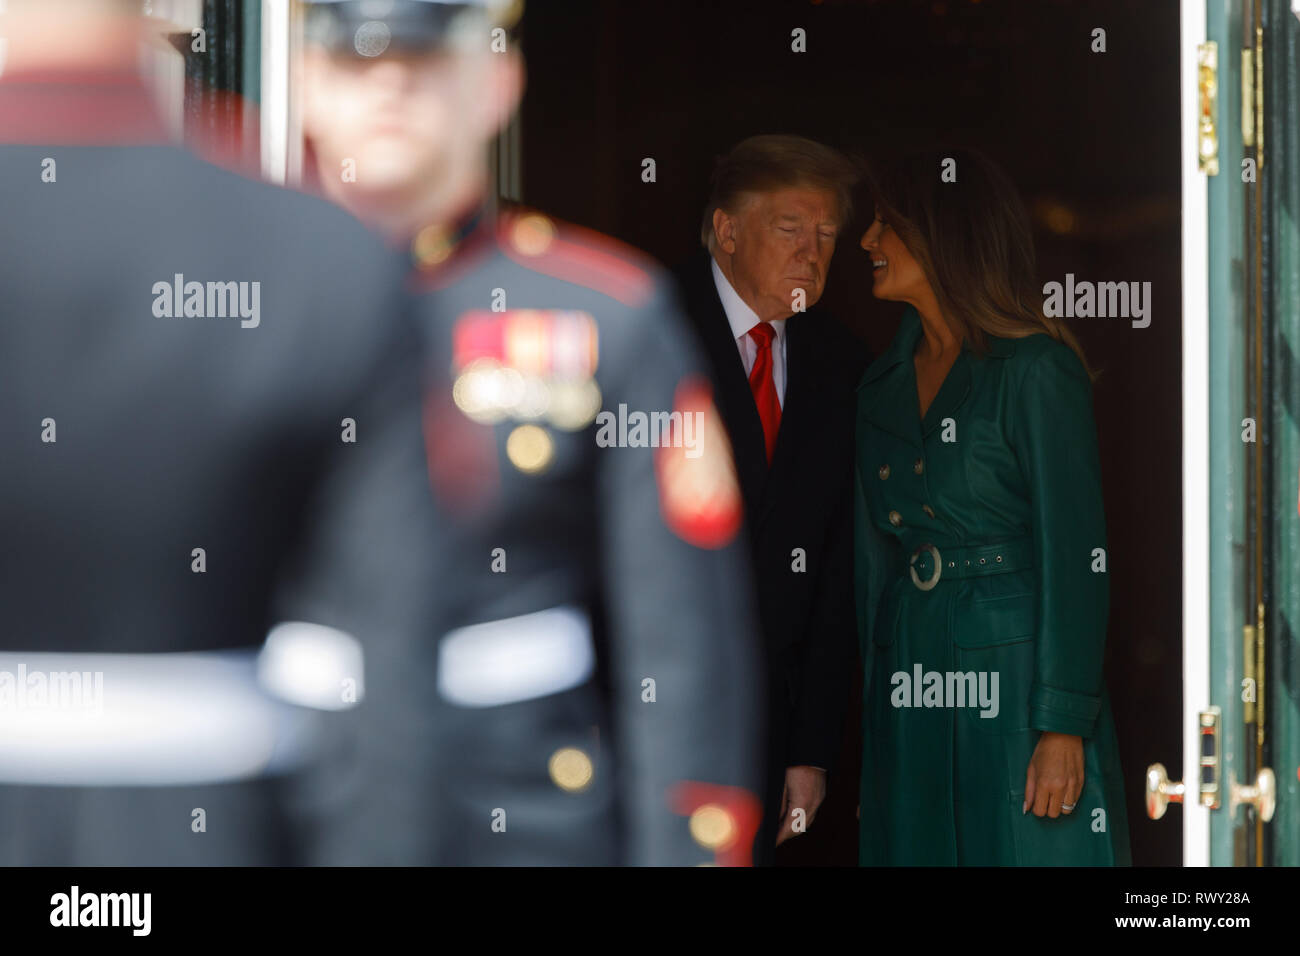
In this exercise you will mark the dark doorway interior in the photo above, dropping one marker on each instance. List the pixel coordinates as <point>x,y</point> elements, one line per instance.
<point>1090,138</point>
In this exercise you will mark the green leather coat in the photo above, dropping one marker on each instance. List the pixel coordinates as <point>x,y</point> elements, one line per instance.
<point>1002,473</point>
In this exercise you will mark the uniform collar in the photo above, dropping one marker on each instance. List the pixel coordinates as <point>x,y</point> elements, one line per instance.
<point>106,107</point>
<point>441,252</point>
<point>437,243</point>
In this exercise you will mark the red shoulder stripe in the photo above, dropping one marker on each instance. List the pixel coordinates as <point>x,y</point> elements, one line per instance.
<point>576,255</point>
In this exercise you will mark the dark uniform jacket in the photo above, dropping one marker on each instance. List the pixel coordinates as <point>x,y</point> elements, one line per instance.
<point>590,695</point>
<point>132,436</point>
<point>800,520</point>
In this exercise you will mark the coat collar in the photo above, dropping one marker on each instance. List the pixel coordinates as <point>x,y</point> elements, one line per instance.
<point>903,345</point>
<point>887,392</point>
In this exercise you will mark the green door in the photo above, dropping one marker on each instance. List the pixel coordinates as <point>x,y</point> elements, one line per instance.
<point>1280,248</point>
<point>1241,498</point>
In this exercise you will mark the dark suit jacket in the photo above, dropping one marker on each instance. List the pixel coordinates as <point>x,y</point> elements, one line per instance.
<point>801,505</point>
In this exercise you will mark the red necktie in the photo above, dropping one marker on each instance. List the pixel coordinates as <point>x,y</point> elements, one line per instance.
<point>763,385</point>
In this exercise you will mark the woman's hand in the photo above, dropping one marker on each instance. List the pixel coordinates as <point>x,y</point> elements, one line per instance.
<point>1055,775</point>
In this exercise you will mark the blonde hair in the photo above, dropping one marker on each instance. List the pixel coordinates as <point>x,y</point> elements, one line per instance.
<point>775,161</point>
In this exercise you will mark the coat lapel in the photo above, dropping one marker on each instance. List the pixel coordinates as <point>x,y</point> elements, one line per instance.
<point>950,397</point>
<point>887,392</point>
<point>957,386</point>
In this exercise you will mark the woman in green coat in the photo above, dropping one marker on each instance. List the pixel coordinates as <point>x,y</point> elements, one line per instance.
<point>981,566</point>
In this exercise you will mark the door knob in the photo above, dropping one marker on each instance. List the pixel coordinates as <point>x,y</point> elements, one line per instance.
<point>1262,795</point>
<point>1161,791</point>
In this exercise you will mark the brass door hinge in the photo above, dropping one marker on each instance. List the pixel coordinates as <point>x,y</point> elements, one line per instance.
<point>1252,96</point>
<point>1207,58</point>
<point>1248,97</point>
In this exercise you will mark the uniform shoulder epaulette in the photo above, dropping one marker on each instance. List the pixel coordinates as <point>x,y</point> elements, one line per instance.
<point>581,256</point>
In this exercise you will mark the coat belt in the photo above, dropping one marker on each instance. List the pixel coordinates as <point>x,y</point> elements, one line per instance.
<point>929,564</point>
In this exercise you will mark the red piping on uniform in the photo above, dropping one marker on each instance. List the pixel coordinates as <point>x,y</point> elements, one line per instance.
<point>582,264</point>
<point>78,108</point>
<point>744,808</point>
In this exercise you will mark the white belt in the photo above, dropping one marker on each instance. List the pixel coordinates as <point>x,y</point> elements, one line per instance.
<point>169,719</point>
<point>517,658</point>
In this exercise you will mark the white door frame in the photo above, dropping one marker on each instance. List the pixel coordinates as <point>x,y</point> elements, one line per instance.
<point>1196,437</point>
<point>281,126</point>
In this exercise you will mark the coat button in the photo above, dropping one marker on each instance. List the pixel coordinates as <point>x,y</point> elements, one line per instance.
<point>895,518</point>
<point>928,510</point>
<point>884,472</point>
<point>918,466</point>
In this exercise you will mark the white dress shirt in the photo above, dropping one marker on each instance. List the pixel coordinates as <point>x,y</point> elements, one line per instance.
<point>742,318</point>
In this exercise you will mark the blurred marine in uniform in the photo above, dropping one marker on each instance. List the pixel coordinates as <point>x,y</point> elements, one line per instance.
<point>591,694</point>
<point>210,443</point>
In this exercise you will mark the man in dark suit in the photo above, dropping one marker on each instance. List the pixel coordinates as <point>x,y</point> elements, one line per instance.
<point>208,429</point>
<point>784,377</point>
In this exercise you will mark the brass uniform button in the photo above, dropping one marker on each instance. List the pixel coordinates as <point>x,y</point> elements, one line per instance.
<point>884,472</point>
<point>432,246</point>
<point>530,449</point>
<point>895,518</point>
<point>533,234</point>
<point>713,827</point>
<point>570,769</point>
<point>928,510</point>
<point>918,466</point>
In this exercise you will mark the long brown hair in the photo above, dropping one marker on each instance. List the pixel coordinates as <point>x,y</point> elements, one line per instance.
<point>972,239</point>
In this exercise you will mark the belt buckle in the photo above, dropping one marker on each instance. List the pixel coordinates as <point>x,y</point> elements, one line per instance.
<point>930,582</point>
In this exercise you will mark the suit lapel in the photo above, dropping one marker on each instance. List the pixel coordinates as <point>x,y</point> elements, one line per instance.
<point>735,400</point>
